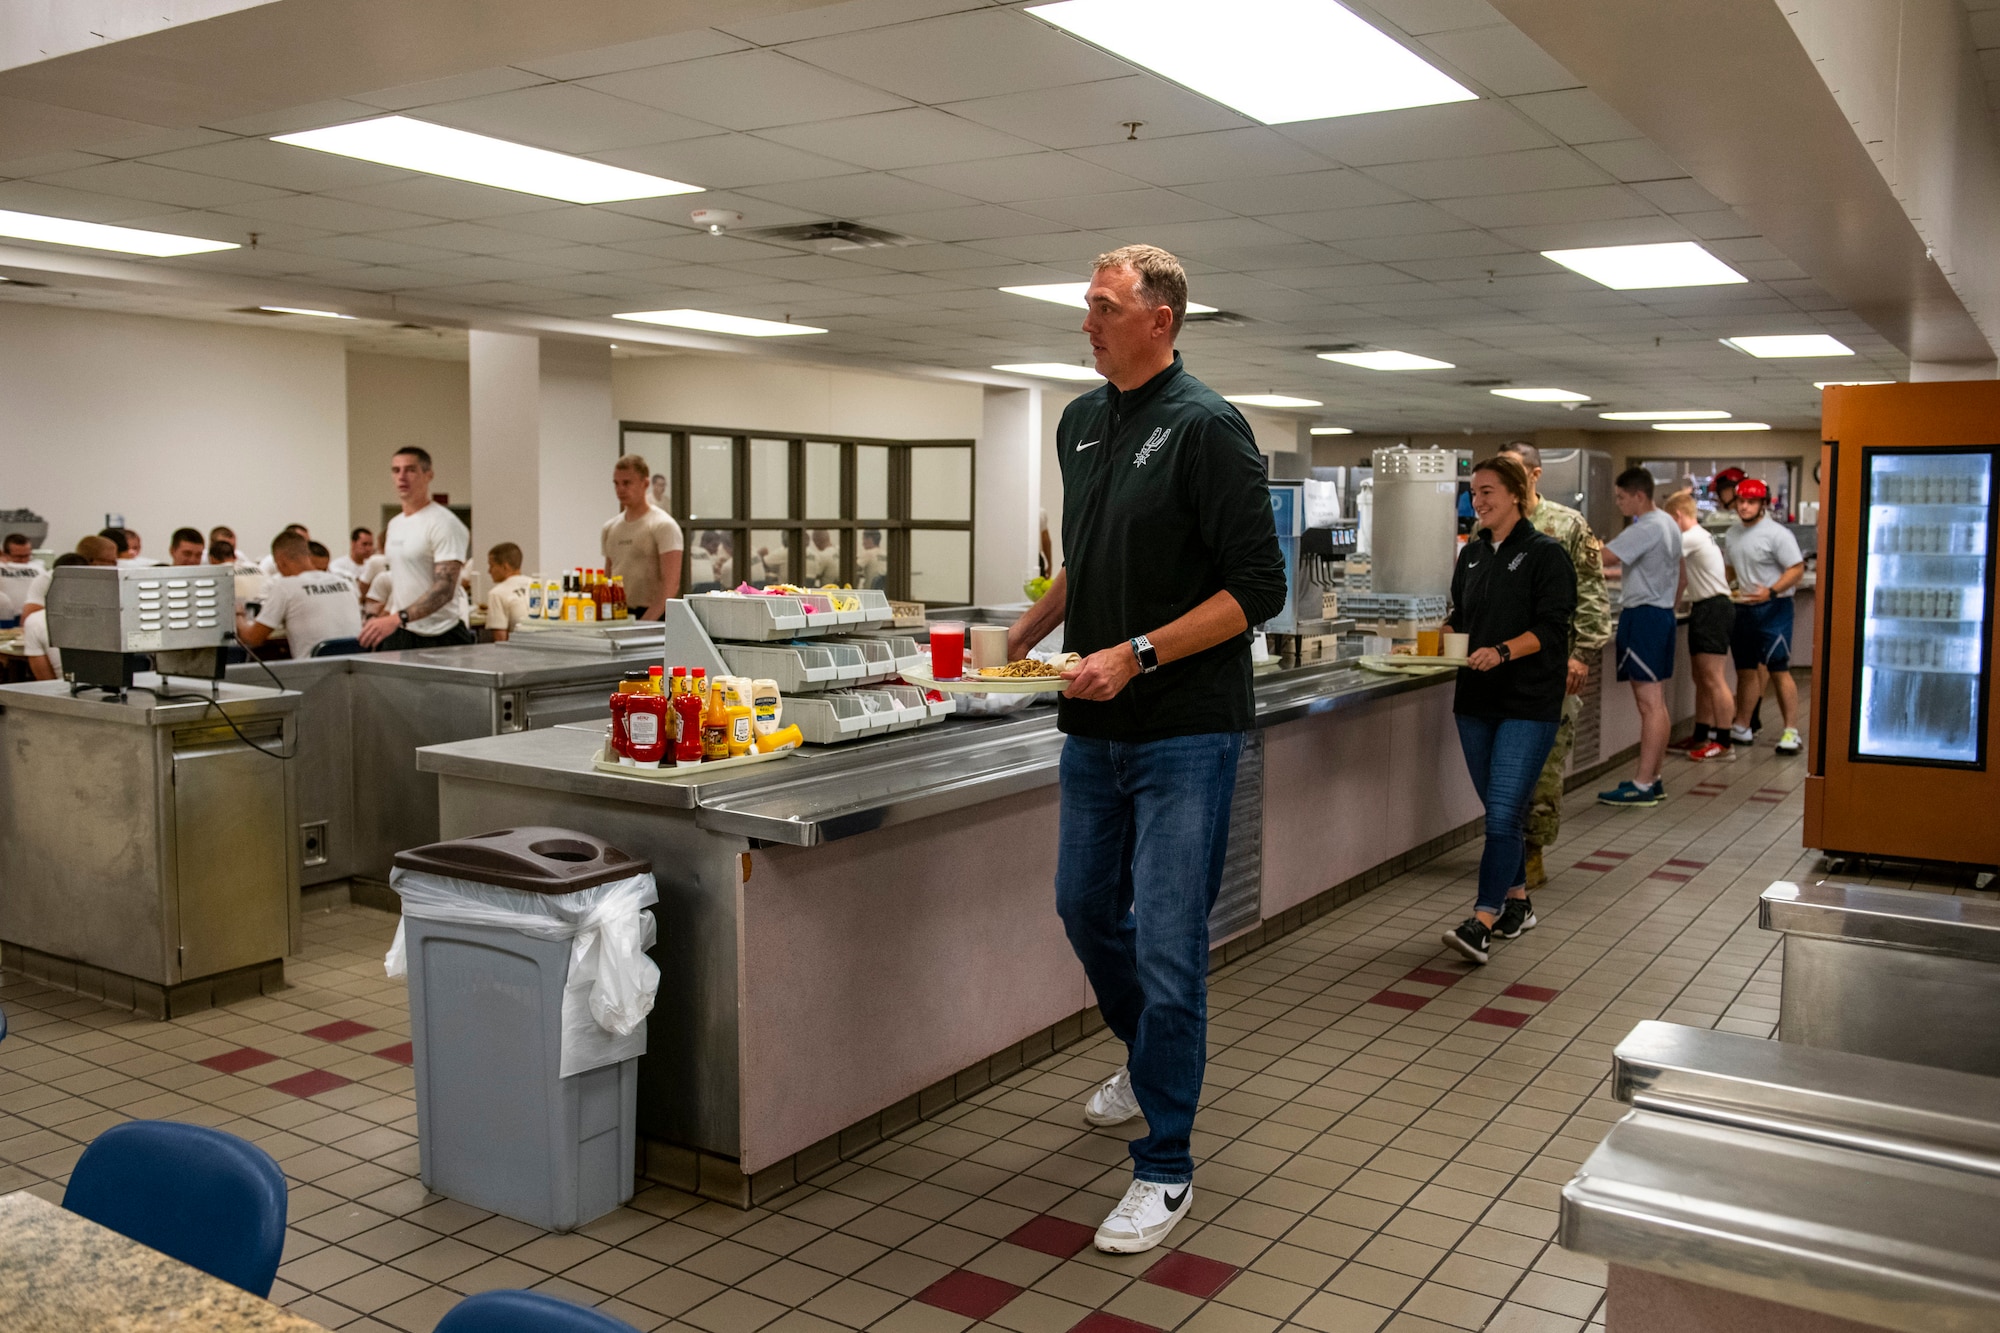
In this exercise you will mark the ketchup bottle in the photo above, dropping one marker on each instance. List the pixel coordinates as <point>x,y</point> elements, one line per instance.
<point>687,711</point>
<point>646,730</point>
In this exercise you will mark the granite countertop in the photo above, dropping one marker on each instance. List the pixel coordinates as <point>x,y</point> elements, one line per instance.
<point>60,1273</point>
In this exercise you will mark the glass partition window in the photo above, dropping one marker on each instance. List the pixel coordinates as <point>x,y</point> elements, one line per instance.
<point>1925,586</point>
<point>884,514</point>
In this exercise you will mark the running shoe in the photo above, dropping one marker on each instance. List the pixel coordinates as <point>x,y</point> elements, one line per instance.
<point>1473,938</point>
<point>1742,736</point>
<point>1144,1216</point>
<point>1632,794</point>
<point>1518,915</point>
<point>1789,742</point>
<point>1713,750</point>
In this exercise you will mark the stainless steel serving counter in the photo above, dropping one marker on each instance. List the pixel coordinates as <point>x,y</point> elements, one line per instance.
<point>824,795</point>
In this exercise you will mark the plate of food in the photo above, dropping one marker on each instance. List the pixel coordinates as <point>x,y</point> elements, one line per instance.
<point>1026,676</point>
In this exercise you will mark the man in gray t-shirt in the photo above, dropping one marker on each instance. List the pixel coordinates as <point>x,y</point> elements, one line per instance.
<point>1649,553</point>
<point>1767,563</point>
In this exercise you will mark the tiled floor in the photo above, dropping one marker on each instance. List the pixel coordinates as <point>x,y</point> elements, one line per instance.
<point>1383,1138</point>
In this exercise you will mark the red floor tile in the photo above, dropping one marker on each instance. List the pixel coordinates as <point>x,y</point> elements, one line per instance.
<point>339,1031</point>
<point>1691,865</point>
<point>1522,991</point>
<point>1432,977</point>
<point>1191,1274</point>
<point>311,1083</point>
<point>404,1054</point>
<point>973,1295</point>
<point>1596,867</point>
<point>1100,1321</point>
<point>236,1061</point>
<point>1500,1018</point>
<point>1048,1234</point>
<point>1396,999</point>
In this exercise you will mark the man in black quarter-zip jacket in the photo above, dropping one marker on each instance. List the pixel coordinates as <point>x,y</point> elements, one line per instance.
<point>1170,556</point>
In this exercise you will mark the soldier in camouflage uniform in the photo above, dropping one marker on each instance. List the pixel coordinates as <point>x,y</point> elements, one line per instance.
<point>1588,633</point>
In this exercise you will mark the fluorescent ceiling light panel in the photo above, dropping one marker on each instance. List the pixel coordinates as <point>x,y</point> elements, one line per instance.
<point>707,321</point>
<point>1692,414</point>
<point>1386,360</point>
<point>1710,425</point>
<point>1270,400</point>
<point>1542,395</point>
<point>1276,61</point>
<point>1053,370</point>
<point>1628,267</point>
<point>301,310</point>
<point>1071,293</point>
<point>98,236</point>
<point>438,150</point>
<point>1790,344</point>
<point>1842,384</point>
<point>1331,430</point>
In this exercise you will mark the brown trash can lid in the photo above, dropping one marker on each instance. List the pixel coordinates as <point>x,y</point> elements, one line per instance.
<point>533,860</point>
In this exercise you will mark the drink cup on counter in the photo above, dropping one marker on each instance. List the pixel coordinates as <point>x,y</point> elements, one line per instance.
<point>947,649</point>
<point>989,646</point>
<point>1427,642</point>
<point>1456,645</point>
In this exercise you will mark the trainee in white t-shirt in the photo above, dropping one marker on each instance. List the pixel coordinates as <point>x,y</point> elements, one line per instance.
<point>1702,563</point>
<point>416,542</point>
<point>16,582</point>
<point>311,608</point>
<point>507,604</point>
<point>35,642</point>
<point>346,568</point>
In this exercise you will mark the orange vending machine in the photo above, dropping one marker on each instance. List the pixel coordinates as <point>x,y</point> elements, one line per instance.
<point>1903,755</point>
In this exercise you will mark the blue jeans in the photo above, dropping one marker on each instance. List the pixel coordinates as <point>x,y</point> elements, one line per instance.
<point>1505,756</point>
<point>1145,826</point>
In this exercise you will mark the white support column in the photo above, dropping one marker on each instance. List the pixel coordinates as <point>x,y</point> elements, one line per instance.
<point>1007,488</point>
<point>544,436</point>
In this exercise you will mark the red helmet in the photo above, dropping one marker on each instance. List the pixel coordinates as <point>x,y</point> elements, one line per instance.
<point>1752,489</point>
<point>1729,476</point>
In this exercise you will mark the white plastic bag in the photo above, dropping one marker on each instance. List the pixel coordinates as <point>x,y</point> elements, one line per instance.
<point>611,982</point>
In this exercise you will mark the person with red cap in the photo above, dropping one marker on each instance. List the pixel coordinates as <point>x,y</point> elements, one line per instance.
<point>1767,563</point>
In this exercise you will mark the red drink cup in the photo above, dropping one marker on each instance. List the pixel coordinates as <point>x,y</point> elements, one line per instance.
<point>947,649</point>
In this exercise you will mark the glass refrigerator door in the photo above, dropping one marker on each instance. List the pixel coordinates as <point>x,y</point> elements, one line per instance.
<point>1924,588</point>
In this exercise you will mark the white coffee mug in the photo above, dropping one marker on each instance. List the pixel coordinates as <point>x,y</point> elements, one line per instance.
<point>1457,645</point>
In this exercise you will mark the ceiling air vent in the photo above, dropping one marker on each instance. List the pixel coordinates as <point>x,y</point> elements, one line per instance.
<point>828,237</point>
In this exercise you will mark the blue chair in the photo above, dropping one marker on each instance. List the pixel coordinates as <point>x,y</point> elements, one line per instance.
<point>209,1199</point>
<point>337,648</point>
<point>525,1312</point>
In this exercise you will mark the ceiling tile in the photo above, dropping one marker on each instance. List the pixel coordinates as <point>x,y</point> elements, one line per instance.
<point>333,215</point>
<point>82,205</point>
<point>1197,237</point>
<point>699,249</point>
<point>1611,231</point>
<point>1098,112</point>
<point>1420,17</point>
<point>372,250</point>
<point>980,222</point>
<point>1495,173</point>
<point>794,267</point>
<point>159,141</point>
<point>911,137</point>
<point>468,237</point>
<point>47,164</point>
<point>1633,160</point>
<point>871,194</point>
<point>746,90</point>
<point>1677,196</point>
<point>1575,115</point>
<point>1503,59</point>
<point>1299,192</point>
<point>577,258</point>
<point>1722,222</point>
<point>1592,203</point>
<point>853,16</point>
<point>1006,180</point>
<point>1222,155</point>
<point>308,117</point>
<point>590,226</point>
<point>1416,134</point>
<point>1338,225</point>
<point>1122,209</point>
<point>635,55</point>
<point>1389,249</point>
<point>439,197</point>
<point>278,165</point>
<point>566,117</point>
<point>984,53</point>
<point>1072,250</point>
<point>491,267</point>
<point>726,162</point>
<point>477,84</point>
<point>140,180</point>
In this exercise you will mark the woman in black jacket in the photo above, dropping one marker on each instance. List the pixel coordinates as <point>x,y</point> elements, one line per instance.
<point>1512,595</point>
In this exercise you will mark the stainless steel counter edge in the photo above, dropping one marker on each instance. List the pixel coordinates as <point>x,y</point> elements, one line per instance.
<point>140,708</point>
<point>1887,918</point>
<point>835,793</point>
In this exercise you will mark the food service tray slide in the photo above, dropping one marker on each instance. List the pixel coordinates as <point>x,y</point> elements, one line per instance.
<point>974,683</point>
<point>1409,663</point>
<point>684,772</point>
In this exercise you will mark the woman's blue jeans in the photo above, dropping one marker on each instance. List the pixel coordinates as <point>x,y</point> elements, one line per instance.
<point>1505,757</point>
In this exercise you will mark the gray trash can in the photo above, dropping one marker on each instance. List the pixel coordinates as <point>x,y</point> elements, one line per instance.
<point>490,927</point>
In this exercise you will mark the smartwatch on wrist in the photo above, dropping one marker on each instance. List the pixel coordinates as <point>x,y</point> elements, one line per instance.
<point>403,619</point>
<point>1149,656</point>
<point>1506,653</point>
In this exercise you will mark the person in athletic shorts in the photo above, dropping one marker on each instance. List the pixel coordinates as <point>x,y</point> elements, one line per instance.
<point>1649,553</point>
<point>1711,616</point>
<point>1767,563</point>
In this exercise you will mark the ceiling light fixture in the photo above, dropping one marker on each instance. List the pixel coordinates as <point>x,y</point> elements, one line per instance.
<point>1710,425</point>
<point>1270,400</point>
<point>1629,267</point>
<point>1071,293</point>
<point>1844,384</point>
<point>1541,395</point>
<point>1331,430</point>
<point>1790,344</point>
<point>301,310</point>
<point>438,150</point>
<point>1692,414</point>
<point>99,236</point>
<point>1052,370</point>
<point>1387,360</point>
<point>1277,61</point>
<point>708,321</point>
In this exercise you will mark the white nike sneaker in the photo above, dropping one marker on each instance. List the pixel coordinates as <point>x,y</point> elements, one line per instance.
<point>1742,736</point>
<point>1113,1104</point>
<point>1143,1217</point>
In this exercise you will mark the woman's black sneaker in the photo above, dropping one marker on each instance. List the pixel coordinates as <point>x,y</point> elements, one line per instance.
<point>1518,915</point>
<point>1472,938</point>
